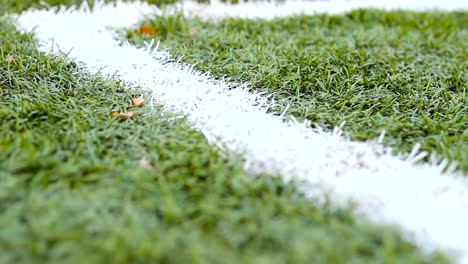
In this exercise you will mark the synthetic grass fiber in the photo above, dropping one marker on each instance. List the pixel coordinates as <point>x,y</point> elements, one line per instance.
<point>16,6</point>
<point>78,185</point>
<point>403,72</point>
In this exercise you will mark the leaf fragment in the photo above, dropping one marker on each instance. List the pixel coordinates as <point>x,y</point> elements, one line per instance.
<point>138,101</point>
<point>193,31</point>
<point>145,163</point>
<point>127,115</point>
<point>147,30</point>
<point>10,59</point>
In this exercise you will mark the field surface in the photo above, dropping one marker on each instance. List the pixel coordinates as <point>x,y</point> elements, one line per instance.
<point>93,171</point>
<point>401,72</point>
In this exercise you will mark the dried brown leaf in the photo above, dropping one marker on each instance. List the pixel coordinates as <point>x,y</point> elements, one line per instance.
<point>127,115</point>
<point>10,59</point>
<point>193,31</point>
<point>138,101</point>
<point>123,115</point>
<point>147,30</point>
<point>144,162</point>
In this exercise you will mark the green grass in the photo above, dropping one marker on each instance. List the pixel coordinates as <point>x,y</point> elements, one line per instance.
<point>403,72</point>
<point>73,188</point>
<point>17,6</point>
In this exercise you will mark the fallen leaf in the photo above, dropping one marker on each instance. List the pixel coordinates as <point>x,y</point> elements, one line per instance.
<point>193,31</point>
<point>10,60</point>
<point>127,115</point>
<point>144,162</point>
<point>123,115</point>
<point>138,101</point>
<point>147,30</point>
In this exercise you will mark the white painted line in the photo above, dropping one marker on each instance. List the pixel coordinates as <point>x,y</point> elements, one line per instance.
<point>270,9</point>
<point>430,206</point>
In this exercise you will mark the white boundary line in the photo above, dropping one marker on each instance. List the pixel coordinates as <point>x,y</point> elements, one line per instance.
<point>430,206</point>
<point>270,9</point>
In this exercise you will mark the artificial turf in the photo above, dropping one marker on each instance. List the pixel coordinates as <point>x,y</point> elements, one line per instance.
<point>17,6</point>
<point>402,72</point>
<point>81,185</point>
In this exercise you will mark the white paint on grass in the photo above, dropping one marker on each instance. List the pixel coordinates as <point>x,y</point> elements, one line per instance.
<point>271,9</point>
<point>431,206</point>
